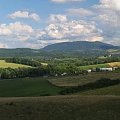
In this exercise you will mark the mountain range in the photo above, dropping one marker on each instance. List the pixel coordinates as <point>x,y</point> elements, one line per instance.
<point>77,48</point>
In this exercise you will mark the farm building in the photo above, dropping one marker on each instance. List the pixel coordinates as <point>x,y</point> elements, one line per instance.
<point>89,71</point>
<point>106,69</point>
<point>63,74</point>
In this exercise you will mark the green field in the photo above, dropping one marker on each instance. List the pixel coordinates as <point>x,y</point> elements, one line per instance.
<point>113,64</point>
<point>19,99</point>
<point>61,108</point>
<point>69,81</point>
<point>41,86</point>
<point>4,64</point>
<point>93,66</point>
<point>27,87</point>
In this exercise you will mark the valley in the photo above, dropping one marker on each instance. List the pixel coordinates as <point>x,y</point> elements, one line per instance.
<point>60,83</point>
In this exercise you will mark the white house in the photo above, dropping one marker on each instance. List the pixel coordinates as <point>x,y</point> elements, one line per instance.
<point>106,69</point>
<point>89,71</point>
<point>63,74</point>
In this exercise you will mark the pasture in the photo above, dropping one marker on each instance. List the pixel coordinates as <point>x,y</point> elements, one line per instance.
<point>112,64</point>
<point>25,87</point>
<point>93,66</point>
<point>111,90</point>
<point>61,108</point>
<point>4,64</point>
<point>70,81</point>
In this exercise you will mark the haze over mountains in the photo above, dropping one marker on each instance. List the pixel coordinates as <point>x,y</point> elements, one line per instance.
<point>69,48</point>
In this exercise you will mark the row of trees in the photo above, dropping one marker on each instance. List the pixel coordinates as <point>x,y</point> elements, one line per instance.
<point>25,61</point>
<point>9,73</point>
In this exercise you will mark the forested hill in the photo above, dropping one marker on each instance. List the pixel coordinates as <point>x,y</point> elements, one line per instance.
<point>79,46</point>
<point>21,52</point>
<point>72,49</point>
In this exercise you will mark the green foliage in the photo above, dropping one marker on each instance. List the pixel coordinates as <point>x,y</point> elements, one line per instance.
<point>8,73</point>
<point>24,61</point>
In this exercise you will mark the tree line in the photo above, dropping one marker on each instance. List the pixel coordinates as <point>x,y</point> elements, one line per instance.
<point>24,61</point>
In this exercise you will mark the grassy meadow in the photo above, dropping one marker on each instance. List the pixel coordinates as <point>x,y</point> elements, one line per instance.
<point>4,64</point>
<point>70,81</point>
<point>111,90</point>
<point>25,87</point>
<point>112,64</point>
<point>93,66</point>
<point>61,108</point>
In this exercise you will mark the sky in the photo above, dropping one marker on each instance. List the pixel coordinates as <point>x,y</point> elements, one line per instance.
<point>38,23</point>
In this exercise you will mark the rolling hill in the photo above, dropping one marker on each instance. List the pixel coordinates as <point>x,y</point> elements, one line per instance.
<point>77,48</point>
<point>81,48</point>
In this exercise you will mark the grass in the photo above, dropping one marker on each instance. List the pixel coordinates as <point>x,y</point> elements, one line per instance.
<point>4,64</point>
<point>69,81</point>
<point>27,87</point>
<point>61,108</point>
<point>112,64</point>
<point>111,90</point>
<point>93,66</point>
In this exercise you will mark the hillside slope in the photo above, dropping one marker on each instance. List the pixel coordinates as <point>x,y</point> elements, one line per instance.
<point>79,46</point>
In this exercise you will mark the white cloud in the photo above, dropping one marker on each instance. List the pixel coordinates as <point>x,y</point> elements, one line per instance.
<point>16,30</point>
<point>19,31</point>
<point>25,15</point>
<point>108,12</point>
<point>64,1</point>
<point>57,18</point>
<point>20,35</point>
<point>109,20</point>
<point>95,38</point>
<point>72,30</point>
<point>80,12</point>
<point>109,4</point>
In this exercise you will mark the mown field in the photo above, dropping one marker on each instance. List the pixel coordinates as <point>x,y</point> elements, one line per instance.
<point>69,81</point>
<point>4,64</point>
<point>25,87</point>
<point>61,108</point>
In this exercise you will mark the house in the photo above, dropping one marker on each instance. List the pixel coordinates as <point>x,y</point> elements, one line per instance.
<point>89,71</point>
<point>106,69</point>
<point>63,74</point>
<point>115,68</point>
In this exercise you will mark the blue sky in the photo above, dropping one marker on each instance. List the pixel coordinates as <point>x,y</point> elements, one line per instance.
<point>37,23</point>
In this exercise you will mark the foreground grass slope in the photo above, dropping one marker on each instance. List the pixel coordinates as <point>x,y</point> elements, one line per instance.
<point>111,90</point>
<point>27,87</point>
<point>4,64</point>
<point>61,108</point>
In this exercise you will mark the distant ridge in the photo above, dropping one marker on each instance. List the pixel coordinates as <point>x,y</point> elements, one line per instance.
<point>70,49</point>
<point>79,46</point>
